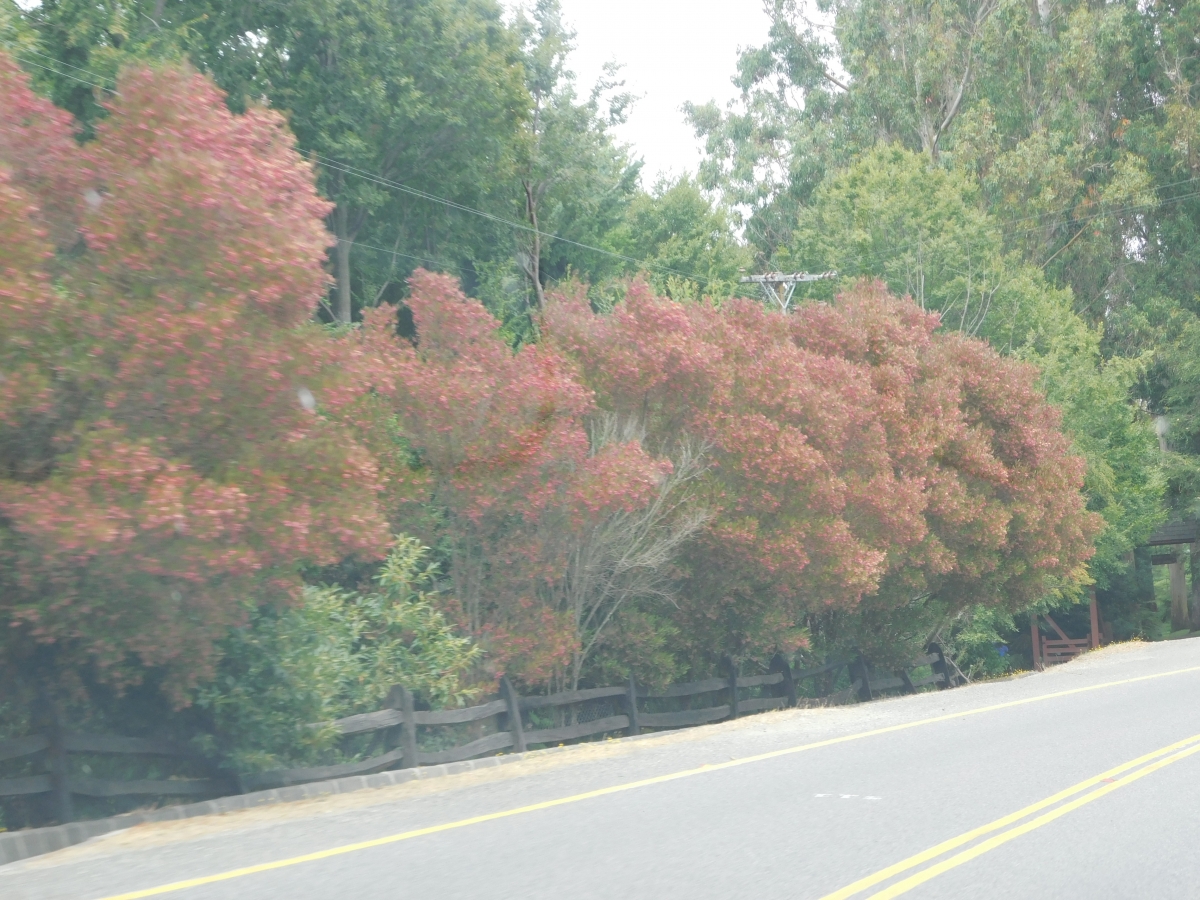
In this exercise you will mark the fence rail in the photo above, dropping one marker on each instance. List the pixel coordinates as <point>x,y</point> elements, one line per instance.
<point>516,730</point>
<point>57,780</point>
<point>510,722</point>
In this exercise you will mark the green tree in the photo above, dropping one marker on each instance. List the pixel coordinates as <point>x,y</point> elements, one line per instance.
<point>1045,105</point>
<point>685,243</point>
<point>394,99</point>
<point>895,213</point>
<point>424,94</point>
<point>78,49</point>
<point>575,181</point>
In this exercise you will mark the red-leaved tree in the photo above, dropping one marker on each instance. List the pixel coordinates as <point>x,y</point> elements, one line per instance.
<point>864,463</point>
<point>163,459</point>
<point>489,457</point>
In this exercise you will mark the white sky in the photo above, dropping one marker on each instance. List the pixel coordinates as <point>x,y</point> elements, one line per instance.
<point>673,51</point>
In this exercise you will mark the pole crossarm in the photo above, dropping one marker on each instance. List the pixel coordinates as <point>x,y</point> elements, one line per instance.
<point>778,287</point>
<point>781,278</point>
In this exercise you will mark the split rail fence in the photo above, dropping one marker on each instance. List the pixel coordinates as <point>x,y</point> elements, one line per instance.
<point>516,723</point>
<point>402,736</point>
<point>61,783</point>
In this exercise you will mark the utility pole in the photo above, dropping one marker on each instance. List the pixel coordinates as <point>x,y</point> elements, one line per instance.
<point>778,288</point>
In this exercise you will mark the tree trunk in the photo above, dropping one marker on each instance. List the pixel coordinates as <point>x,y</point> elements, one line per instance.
<point>341,265</point>
<point>1045,10</point>
<point>535,256</point>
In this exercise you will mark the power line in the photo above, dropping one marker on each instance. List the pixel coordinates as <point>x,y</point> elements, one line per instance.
<point>339,166</point>
<point>348,169</point>
<point>63,74</point>
<point>345,168</point>
<point>57,61</point>
<point>390,252</point>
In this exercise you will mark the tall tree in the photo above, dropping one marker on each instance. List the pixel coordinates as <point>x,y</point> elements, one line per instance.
<point>424,94</point>
<point>1040,106</point>
<point>392,98</point>
<point>548,527</point>
<point>1055,180</point>
<point>162,451</point>
<point>921,227</point>
<point>575,180</point>
<point>684,242</point>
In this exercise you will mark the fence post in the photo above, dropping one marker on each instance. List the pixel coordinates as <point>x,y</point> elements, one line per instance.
<point>939,666</point>
<point>787,687</point>
<point>514,713</point>
<point>1036,637</point>
<point>408,732</point>
<point>60,788</point>
<point>631,702</point>
<point>829,679</point>
<point>864,692</point>
<point>1095,616</point>
<point>733,689</point>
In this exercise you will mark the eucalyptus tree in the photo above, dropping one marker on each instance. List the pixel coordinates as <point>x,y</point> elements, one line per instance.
<point>576,181</point>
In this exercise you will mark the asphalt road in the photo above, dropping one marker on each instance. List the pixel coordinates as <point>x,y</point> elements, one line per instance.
<point>1082,782</point>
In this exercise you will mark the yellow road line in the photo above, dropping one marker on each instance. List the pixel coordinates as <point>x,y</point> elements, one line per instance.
<point>620,788</point>
<point>903,887</point>
<point>965,838</point>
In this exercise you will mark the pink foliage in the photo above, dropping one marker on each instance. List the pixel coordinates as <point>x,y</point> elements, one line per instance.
<point>160,469</point>
<point>504,458</point>
<point>862,457</point>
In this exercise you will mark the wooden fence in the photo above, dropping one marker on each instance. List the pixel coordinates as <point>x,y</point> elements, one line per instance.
<point>515,723</point>
<point>410,737</point>
<point>61,783</point>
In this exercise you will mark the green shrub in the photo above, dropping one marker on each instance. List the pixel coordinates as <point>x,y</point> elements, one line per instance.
<point>337,653</point>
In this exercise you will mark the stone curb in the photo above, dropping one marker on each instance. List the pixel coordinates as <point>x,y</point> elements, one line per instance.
<point>18,845</point>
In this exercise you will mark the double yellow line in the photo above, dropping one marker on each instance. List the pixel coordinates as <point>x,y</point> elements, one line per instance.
<point>1104,783</point>
<point>708,769</point>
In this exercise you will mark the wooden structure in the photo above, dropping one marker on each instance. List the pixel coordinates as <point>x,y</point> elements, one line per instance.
<point>515,723</point>
<point>61,784</point>
<point>1049,651</point>
<point>1163,544</point>
<point>404,736</point>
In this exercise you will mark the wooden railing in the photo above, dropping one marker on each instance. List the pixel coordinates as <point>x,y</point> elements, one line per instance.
<point>58,781</point>
<point>511,722</point>
<point>515,723</point>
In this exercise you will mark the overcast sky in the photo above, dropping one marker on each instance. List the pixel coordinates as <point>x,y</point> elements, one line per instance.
<point>673,51</point>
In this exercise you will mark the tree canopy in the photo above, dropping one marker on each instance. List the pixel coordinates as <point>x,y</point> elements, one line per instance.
<point>288,284</point>
<point>163,455</point>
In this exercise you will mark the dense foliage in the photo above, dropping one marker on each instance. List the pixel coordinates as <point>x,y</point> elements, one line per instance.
<point>619,464</point>
<point>862,461</point>
<point>505,477</point>
<point>1028,169</point>
<point>335,653</point>
<point>160,461</point>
